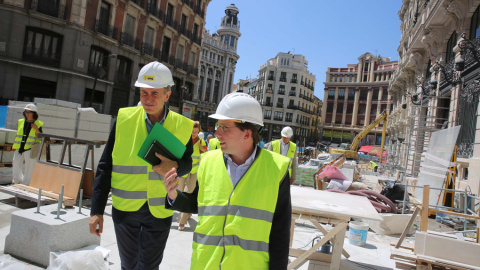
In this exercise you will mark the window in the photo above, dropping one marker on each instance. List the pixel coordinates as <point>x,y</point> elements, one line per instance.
<point>288,117</point>
<point>278,116</point>
<point>149,35</point>
<point>169,16</point>
<point>475,24</point>
<point>375,94</point>
<point>268,114</point>
<point>183,22</point>
<point>452,42</point>
<point>129,24</point>
<point>331,94</point>
<point>165,48</point>
<point>195,30</point>
<point>180,52</point>
<point>98,59</point>
<point>42,47</point>
<point>351,94</point>
<point>104,19</point>
<point>226,39</point>
<point>341,94</point>
<point>191,59</point>
<point>339,108</point>
<point>123,70</point>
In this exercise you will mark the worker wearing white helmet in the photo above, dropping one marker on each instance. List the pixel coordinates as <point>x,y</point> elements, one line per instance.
<point>188,182</point>
<point>287,148</point>
<point>142,224</point>
<point>27,136</point>
<point>243,195</point>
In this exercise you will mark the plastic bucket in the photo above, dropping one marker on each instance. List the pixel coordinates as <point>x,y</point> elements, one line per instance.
<point>357,233</point>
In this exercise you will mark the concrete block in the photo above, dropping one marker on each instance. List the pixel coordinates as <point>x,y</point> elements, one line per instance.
<point>84,125</point>
<point>10,135</point>
<point>435,245</point>
<point>393,224</point>
<point>33,236</point>
<point>3,136</point>
<point>7,156</point>
<point>6,175</point>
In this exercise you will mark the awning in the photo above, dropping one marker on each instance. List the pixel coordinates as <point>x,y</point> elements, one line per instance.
<point>384,154</point>
<point>365,149</point>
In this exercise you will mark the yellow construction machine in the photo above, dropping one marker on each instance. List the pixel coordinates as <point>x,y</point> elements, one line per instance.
<point>350,151</point>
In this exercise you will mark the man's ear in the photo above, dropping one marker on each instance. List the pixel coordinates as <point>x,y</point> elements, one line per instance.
<point>167,96</point>
<point>248,134</point>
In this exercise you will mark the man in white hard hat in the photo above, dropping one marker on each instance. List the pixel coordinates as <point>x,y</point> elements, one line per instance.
<point>242,197</point>
<point>142,223</point>
<point>27,135</point>
<point>287,148</point>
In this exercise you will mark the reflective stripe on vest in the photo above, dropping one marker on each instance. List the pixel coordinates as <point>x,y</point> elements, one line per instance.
<point>292,147</point>
<point>235,223</point>
<point>133,180</point>
<point>31,138</point>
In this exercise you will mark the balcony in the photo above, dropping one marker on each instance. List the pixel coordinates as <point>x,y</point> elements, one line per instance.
<point>270,78</point>
<point>154,11</point>
<point>279,105</point>
<point>278,118</point>
<point>293,81</point>
<point>199,11</point>
<point>127,39</point>
<point>281,92</point>
<point>269,117</point>
<point>164,57</point>
<point>184,31</point>
<point>293,107</point>
<point>283,79</point>
<point>106,29</point>
<point>140,3</point>
<point>288,119</point>
<point>168,20</point>
<point>147,48</point>
<point>156,53</point>
<point>196,39</point>
<point>268,104</point>
<point>41,57</point>
<point>292,93</point>
<point>52,8</point>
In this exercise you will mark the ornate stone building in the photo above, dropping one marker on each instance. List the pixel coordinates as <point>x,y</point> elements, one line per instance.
<point>354,97</point>
<point>217,67</point>
<point>436,84</point>
<point>90,52</point>
<point>285,89</point>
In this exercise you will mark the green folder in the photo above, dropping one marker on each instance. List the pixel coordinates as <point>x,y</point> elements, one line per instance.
<point>166,138</point>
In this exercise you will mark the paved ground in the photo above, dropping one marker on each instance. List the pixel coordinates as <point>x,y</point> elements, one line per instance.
<point>375,255</point>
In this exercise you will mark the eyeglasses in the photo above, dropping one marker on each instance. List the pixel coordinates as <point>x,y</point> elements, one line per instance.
<point>28,111</point>
<point>223,127</point>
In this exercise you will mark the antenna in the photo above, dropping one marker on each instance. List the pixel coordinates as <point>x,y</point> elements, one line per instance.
<point>376,52</point>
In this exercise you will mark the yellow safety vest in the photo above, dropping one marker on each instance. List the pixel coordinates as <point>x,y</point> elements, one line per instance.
<point>32,137</point>
<point>235,222</point>
<point>214,144</point>
<point>133,180</point>
<point>196,156</point>
<point>290,153</point>
<point>373,165</point>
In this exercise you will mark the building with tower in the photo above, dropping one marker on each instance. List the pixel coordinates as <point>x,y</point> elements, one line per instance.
<point>217,67</point>
<point>285,89</point>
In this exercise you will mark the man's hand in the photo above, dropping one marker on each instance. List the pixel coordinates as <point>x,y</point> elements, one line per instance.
<point>292,181</point>
<point>165,166</point>
<point>34,126</point>
<point>171,183</point>
<point>96,221</point>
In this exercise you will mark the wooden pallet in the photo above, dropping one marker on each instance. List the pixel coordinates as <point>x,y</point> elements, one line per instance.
<point>408,260</point>
<point>5,164</point>
<point>6,147</point>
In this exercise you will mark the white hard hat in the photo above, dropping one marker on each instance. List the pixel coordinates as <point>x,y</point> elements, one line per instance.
<point>239,106</point>
<point>31,107</point>
<point>139,103</point>
<point>154,75</point>
<point>201,135</point>
<point>287,132</point>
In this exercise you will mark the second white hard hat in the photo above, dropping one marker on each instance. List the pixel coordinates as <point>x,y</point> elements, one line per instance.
<point>287,132</point>
<point>239,106</point>
<point>31,107</point>
<point>201,135</point>
<point>154,75</point>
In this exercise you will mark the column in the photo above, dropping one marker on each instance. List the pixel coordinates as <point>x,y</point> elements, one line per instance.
<point>369,107</point>
<point>355,108</point>
<point>345,105</point>
<point>334,113</point>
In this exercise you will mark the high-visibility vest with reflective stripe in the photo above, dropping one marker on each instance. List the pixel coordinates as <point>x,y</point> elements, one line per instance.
<point>30,139</point>
<point>196,155</point>
<point>234,223</point>
<point>290,153</point>
<point>133,180</point>
<point>214,144</point>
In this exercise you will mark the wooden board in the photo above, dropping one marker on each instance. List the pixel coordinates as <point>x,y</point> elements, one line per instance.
<point>87,184</point>
<point>321,202</point>
<point>51,178</point>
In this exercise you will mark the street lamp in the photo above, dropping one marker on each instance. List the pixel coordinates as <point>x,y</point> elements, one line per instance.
<point>99,72</point>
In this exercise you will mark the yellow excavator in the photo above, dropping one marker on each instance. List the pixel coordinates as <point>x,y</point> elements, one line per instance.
<point>350,151</point>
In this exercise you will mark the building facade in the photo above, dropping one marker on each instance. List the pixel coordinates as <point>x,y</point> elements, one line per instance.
<point>354,97</point>
<point>90,52</point>
<point>436,85</point>
<point>217,67</point>
<point>285,89</point>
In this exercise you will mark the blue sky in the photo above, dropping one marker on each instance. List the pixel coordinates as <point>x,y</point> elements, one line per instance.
<point>329,33</point>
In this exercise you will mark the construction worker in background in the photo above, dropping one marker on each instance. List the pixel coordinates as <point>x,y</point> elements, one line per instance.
<point>213,144</point>
<point>187,183</point>
<point>286,148</point>
<point>209,137</point>
<point>242,197</point>
<point>27,132</point>
<point>141,222</point>
<point>374,166</point>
